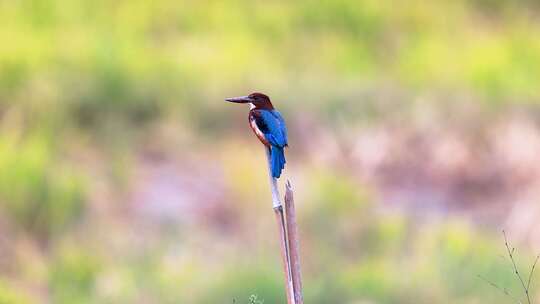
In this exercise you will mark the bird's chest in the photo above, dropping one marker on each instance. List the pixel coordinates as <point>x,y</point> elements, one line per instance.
<point>255,124</point>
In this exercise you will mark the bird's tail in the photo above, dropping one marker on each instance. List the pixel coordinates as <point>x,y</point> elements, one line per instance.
<point>277,157</point>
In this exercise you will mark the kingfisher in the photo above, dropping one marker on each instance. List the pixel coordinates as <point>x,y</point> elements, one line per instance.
<point>269,126</point>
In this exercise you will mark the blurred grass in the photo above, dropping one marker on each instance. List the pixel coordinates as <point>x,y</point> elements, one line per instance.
<point>41,196</point>
<point>78,77</point>
<point>133,59</point>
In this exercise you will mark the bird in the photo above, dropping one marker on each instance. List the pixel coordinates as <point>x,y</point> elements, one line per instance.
<point>269,127</point>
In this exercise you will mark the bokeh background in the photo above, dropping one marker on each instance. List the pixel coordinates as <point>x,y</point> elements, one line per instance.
<point>126,178</point>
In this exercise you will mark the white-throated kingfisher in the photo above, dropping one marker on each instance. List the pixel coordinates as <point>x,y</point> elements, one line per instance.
<point>269,126</point>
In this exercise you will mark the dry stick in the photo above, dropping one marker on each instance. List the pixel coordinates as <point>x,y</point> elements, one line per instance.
<point>526,288</point>
<point>511,255</point>
<point>278,211</point>
<point>280,218</point>
<point>503,290</point>
<point>532,271</point>
<point>294,247</point>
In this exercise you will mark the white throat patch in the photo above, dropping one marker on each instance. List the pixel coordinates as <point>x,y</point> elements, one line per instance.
<point>251,106</point>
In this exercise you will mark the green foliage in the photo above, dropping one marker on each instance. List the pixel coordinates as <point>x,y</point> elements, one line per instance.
<point>41,196</point>
<point>257,282</point>
<point>73,276</point>
<point>253,299</point>
<point>10,296</point>
<point>120,63</point>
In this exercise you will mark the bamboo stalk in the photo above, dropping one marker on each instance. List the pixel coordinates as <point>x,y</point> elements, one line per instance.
<point>280,218</point>
<point>294,247</point>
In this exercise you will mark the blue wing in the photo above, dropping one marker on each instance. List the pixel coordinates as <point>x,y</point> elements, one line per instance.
<point>282,125</point>
<point>273,127</point>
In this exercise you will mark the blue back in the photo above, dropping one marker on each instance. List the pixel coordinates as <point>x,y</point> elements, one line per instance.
<point>272,125</point>
<point>276,130</point>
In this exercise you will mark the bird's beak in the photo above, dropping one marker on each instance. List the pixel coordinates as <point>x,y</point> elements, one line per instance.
<point>241,99</point>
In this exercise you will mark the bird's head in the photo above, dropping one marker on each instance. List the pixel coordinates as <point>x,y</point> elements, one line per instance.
<point>257,100</point>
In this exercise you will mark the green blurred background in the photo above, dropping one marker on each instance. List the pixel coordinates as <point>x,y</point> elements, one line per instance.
<point>125,177</point>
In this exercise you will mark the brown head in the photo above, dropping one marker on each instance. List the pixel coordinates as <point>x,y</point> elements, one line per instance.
<point>258,100</point>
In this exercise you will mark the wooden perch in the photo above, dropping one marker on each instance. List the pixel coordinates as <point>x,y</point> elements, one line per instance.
<point>294,246</point>
<point>289,286</point>
<point>288,238</point>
